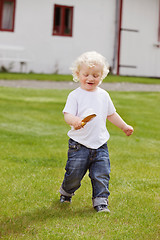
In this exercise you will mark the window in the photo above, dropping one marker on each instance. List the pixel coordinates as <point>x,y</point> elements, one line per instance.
<point>63,18</point>
<point>7,15</point>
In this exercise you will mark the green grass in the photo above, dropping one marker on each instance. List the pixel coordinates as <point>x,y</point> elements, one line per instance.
<point>33,148</point>
<point>56,77</point>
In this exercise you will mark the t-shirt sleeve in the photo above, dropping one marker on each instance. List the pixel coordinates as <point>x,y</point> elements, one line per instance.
<point>71,105</point>
<point>111,107</point>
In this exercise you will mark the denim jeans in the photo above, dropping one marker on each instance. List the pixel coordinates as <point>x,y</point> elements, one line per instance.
<point>80,159</point>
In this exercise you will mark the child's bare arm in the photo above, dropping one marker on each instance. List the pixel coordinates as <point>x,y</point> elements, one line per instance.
<point>118,121</point>
<point>73,120</point>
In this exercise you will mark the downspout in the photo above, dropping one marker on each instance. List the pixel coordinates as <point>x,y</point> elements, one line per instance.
<point>159,24</point>
<point>119,35</point>
<point>115,37</point>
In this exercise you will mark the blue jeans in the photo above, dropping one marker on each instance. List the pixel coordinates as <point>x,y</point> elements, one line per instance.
<point>80,159</point>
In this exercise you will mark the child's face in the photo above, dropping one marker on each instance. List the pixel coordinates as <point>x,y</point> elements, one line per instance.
<point>90,77</point>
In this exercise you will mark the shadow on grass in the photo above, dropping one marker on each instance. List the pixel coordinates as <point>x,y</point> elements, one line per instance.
<point>25,223</point>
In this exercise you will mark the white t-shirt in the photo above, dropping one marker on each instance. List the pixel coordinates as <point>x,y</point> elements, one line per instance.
<point>94,134</point>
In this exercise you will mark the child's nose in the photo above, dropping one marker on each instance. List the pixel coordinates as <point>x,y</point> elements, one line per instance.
<point>90,77</point>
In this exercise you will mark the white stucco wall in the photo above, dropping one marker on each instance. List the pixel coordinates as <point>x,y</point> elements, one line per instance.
<point>93,29</point>
<point>138,49</point>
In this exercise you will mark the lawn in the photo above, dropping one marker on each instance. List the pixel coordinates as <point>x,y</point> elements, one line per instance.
<point>33,149</point>
<point>58,77</point>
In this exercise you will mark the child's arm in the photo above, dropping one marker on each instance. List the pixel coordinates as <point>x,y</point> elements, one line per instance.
<point>118,121</point>
<point>73,120</point>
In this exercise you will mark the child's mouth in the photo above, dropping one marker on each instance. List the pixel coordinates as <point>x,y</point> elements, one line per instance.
<point>90,83</point>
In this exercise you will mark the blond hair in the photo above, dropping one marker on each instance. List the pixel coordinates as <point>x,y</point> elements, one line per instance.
<point>90,59</point>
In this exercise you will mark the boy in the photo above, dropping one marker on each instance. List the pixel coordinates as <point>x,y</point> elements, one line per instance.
<point>88,143</point>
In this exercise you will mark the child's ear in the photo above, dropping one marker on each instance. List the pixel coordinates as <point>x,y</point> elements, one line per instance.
<point>77,72</point>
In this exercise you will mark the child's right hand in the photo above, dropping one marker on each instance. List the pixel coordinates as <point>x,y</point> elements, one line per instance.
<point>77,123</point>
<point>72,120</point>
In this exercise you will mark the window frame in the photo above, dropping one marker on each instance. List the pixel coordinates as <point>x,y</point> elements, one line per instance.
<point>1,14</point>
<point>62,19</point>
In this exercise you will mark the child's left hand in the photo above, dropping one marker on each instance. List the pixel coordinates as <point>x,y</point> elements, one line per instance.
<point>128,130</point>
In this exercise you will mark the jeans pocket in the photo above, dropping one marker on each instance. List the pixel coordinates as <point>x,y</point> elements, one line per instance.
<point>73,146</point>
<point>104,146</point>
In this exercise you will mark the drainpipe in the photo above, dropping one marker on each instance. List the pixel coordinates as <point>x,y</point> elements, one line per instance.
<point>115,38</point>
<point>159,24</point>
<point>119,35</point>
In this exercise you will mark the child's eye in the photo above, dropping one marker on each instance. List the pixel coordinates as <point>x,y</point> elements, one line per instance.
<point>95,75</point>
<point>86,75</point>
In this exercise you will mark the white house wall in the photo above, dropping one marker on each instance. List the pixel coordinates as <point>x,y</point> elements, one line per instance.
<point>138,48</point>
<point>93,29</point>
